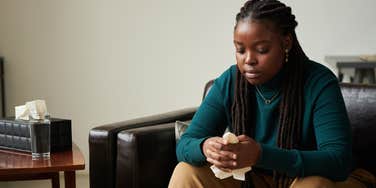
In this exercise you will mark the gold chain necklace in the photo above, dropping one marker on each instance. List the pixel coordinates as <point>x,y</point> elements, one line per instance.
<point>267,101</point>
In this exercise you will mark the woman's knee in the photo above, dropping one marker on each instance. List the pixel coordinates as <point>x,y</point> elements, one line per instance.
<point>313,182</point>
<point>185,175</point>
<point>185,170</point>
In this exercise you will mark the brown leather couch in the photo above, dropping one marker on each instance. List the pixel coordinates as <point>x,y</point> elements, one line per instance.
<point>141,152</point>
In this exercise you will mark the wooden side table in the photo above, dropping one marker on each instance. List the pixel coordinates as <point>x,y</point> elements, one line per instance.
<point>19,166</point>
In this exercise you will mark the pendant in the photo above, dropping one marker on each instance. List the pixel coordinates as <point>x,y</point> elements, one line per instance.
<point>267,101</point>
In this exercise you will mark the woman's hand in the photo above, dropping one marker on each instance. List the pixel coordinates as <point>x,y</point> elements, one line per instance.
<point>228,156</point>
<point>248,151</point>
<point>215,153</point>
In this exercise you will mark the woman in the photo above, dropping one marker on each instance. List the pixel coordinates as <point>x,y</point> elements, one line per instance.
<point>287,111</point>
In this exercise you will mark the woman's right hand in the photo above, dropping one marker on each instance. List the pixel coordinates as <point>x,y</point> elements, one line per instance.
<point>214,149</point>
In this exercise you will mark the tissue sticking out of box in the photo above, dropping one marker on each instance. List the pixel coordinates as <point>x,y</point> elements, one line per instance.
<point>22,112</point>
<point>36,109</point>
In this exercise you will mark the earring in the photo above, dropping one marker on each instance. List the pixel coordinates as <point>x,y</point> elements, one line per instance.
<point>287,55</point>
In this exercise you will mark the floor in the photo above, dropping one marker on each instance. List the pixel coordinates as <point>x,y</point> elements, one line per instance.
<point>82,181</point>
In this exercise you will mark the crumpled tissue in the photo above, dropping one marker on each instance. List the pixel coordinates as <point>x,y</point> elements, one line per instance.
<point>238,174</point>
<point>36,109</point>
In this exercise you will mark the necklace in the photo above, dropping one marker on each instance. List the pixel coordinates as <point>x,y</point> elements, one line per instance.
<point>267,101</point>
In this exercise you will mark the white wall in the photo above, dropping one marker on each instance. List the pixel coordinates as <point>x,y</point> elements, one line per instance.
<point>98,62</point>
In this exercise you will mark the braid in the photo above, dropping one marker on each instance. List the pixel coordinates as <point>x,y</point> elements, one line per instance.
<point>291,105</point>
<point>241,114</point>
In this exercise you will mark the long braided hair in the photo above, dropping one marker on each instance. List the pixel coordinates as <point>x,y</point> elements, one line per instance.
<point>291,105</point>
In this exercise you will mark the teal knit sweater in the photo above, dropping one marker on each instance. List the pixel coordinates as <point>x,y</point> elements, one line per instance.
<point>325,148</point>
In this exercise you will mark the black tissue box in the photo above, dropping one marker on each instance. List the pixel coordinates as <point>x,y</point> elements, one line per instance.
<point>15,134</point>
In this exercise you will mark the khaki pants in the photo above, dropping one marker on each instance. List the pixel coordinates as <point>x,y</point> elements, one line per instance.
<point>188,176</point>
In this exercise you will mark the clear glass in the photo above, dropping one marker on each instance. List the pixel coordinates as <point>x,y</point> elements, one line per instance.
<point>40,133</point>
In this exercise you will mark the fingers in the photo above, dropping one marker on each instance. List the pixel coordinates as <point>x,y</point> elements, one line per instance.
<point>226,165</point>
<point>222,159</point>
<point>243,138</point>
<point>218,144</point>
<point>231,156</point>
<point>215,144</point>
<point>211,144</point>
<point>221,155</point>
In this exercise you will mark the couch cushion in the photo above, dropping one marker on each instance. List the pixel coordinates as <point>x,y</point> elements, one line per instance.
<point>360,101</point>
<point>180,127</point>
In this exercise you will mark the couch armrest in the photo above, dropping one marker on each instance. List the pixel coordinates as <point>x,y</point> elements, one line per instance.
<point>102,144</point>
<point>146,156</point>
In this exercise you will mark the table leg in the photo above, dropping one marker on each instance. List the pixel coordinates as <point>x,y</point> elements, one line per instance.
<point>70,179</point>
<point>55,180</point>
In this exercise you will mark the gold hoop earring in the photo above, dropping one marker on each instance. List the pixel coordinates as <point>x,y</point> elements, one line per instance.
<point>287,55</point>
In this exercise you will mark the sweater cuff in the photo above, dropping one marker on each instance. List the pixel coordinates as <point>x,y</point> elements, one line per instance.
<point>266,157</point>
<point>197,154</point>
<point>274,158</point>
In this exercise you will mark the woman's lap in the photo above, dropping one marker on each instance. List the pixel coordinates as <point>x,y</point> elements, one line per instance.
<point>186,175</point>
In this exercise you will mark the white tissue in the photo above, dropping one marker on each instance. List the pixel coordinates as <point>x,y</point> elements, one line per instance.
<point>231,138</point>
<point>238,174</point>
<point>36,109</point>
<point>22,112</point>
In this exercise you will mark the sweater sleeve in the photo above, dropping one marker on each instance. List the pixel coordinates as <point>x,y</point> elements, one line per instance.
<point>210,120</point>
<point>333,155</point>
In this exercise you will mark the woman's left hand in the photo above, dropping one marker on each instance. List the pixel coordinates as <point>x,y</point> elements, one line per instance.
<point>247,151</point>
